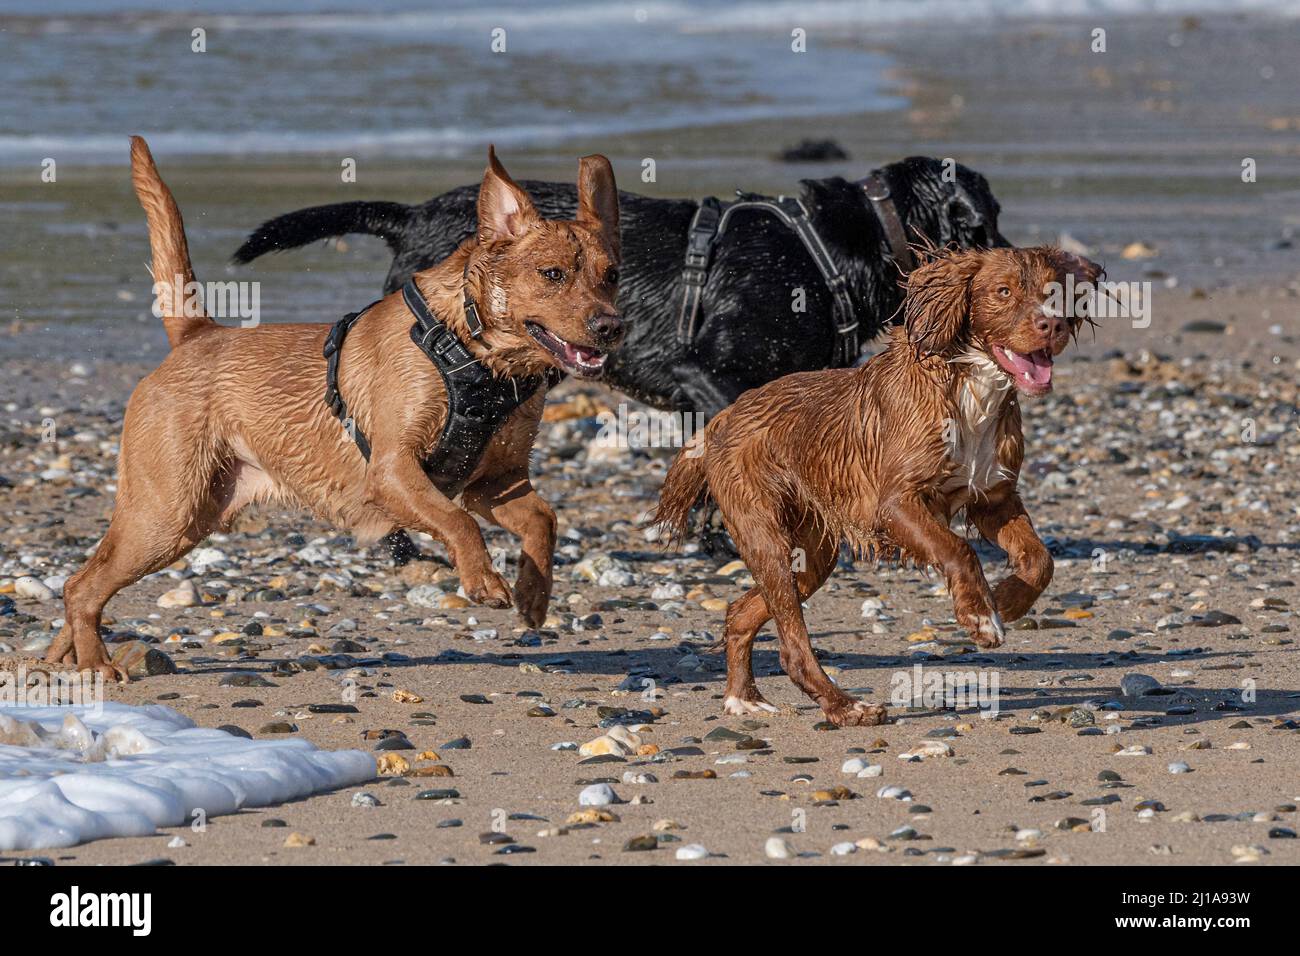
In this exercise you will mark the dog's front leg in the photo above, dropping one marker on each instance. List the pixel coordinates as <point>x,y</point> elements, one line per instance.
<point>911,526</point>
<point>511,502</point>
<point>397,484</point>
<point>1003,520</point>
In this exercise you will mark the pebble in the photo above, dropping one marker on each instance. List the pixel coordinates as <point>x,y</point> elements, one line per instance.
<point>691,851</point>
<point>33,589</point>
<point>597,795</point>
<point>778,848</point>
<point>183,595</point>
<point>1138,685</point>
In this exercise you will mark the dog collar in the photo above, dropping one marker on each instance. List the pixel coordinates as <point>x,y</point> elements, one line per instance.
<point>478,402</point>
<point>882,204</point>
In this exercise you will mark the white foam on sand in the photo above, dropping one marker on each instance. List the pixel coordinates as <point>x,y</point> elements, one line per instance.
<point>70,775</point>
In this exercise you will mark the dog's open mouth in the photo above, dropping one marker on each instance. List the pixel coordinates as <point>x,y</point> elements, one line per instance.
<point>579,360</point>
<point>1031,371</point>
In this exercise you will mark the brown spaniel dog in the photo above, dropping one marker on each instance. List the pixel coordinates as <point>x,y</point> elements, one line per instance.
<point>885,455</point>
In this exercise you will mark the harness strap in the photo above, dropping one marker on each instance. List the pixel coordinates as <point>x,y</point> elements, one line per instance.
<point>478,402</point>
<point>710,221</point>
<point>699,248</point>
<point>877,191</point>
<point>333,346</point>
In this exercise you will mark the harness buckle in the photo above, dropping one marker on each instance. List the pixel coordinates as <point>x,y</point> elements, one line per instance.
<point>471,318</point>
<point>875,187</point>
<point>698,245</point>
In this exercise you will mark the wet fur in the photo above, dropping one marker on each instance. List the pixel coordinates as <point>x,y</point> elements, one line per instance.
<point>748,334</point>
<point>880,456</point>
<point>235,416</point>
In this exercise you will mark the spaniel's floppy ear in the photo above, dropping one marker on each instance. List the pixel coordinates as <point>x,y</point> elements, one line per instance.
<point>937,308</point>
<point>1084,270</point>
<point>1087,275</point>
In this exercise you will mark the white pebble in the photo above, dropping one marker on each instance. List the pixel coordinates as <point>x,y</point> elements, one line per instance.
<point>1179,767</point>
<point>692,851</point>
<point>844,849</point>
<point>597,795</point>
<point>1134,750</point>
<point>894,793</point>
<point>777,848</point>
<point>32,589</point>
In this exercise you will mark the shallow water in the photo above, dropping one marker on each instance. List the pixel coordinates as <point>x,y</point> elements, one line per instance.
<point>1141,144</point>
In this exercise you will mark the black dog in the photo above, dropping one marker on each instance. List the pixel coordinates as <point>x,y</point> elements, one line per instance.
<point>749,331</point>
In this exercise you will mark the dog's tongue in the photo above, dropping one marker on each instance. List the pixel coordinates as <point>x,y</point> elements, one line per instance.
<point>577,355</point>
<point>1035,367</point>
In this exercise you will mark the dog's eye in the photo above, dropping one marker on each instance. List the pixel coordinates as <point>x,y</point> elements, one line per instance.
<point>611,276</point>
<point>1004,291</point>
<point>554,274</point>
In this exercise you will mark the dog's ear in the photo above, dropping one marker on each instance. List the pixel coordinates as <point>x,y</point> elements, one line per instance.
<point>1087,275</point>
<point>937,308</point>
<point>598,199</point>
<point>1084,270</point>
<point>504,210</point>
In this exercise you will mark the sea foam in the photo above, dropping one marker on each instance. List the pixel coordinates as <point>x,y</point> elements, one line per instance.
<point>69,775</point>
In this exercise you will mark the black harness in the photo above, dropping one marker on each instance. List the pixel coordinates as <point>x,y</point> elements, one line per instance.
<point>478,402</point>
<point>710,221</point>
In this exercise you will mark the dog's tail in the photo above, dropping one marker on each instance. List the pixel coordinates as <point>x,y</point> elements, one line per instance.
<point>172,273</point>
<point>387,220</point>
<point>685,487</point>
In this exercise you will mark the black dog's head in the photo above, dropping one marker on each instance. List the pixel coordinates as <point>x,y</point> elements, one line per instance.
<point>940,201</point>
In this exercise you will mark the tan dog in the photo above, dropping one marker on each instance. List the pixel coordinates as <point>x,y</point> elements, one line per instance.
<point>884,456</point>
<point>235,416</point>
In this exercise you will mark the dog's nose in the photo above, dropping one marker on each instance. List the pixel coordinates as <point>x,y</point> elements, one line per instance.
<point>606,327</point>
<point>1051,326</point>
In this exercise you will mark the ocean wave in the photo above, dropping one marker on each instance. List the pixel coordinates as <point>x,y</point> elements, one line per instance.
<point>677,15</point>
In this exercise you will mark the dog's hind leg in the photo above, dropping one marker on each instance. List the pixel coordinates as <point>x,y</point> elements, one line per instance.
<point>744,619</point>
<point>164,507</point>
<point>746,616</point>
<point>141,539</point>
<point>771,558</point>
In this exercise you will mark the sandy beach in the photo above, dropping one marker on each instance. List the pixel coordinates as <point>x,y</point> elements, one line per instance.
<point>1162,472</point>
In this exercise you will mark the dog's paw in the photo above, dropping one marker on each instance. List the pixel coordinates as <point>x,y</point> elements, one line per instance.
<point>489,589</point>
<point>100,663</point>
<point>532,597</point>
<point>988,631</point>
<point>744,706</point>
<point>856,713</point>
